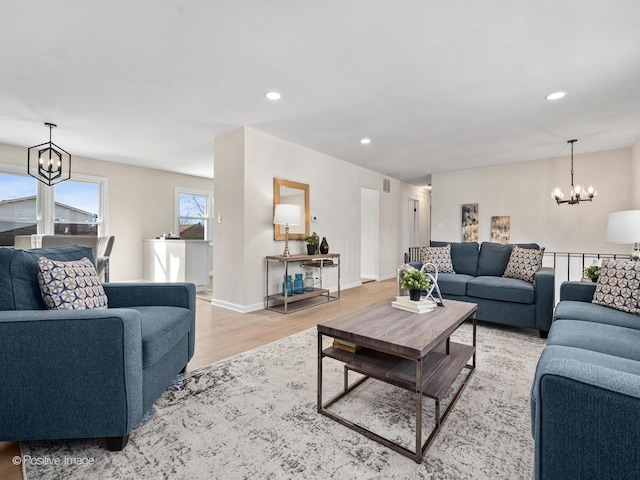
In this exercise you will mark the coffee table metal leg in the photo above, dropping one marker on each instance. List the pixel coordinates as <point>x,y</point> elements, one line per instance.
<point>319,371</point>
<point>346,378</point>
<point>418,456</point>
<point>474,339</point>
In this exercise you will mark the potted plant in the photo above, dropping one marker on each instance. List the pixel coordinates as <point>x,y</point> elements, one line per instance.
<point>415,281</point>
<point>312,243</point>
<point>592,273</point>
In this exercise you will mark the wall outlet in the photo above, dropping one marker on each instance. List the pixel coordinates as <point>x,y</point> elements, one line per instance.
<point>314,218</point>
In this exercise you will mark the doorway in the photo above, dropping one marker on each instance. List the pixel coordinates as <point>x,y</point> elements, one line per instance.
<point>369,233</point>
<point>414,223</point>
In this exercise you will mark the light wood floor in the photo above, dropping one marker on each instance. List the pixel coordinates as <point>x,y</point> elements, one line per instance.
<point>221,333</point>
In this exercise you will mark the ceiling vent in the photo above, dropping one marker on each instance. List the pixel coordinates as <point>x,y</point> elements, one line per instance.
<point>386,185</point>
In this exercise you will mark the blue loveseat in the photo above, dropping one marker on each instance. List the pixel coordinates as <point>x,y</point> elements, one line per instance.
<point>478,279</point>
<point>585,398</point>
<point>86,373</point>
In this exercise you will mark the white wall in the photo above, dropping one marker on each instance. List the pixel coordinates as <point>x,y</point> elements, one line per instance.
<point>635,174</point>
<point>335,196</point>
<point>369,233</point>
<point>229,276</point>
<point>140,203</point>
<point>523,191</point>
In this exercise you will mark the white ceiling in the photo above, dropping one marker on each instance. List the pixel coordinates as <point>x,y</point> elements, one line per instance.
<point>437,85</point>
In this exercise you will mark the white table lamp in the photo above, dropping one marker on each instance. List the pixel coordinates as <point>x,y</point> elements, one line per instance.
<point>624,227</point>
<point>286,215</point>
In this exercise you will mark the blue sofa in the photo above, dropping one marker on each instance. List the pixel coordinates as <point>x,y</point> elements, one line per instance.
<point>585,398</point>
<point>86,373</point>
<point>478,279</point>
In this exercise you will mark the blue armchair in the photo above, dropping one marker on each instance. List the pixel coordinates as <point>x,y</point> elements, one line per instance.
<point>86,373</point>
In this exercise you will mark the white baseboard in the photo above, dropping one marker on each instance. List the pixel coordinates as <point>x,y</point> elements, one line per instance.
<point>369,277</point>
<point>387,277</point>
<point>346,286</point>
<point>237,308</point>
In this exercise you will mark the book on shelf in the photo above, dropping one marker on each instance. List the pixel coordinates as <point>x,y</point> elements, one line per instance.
<point>347,346</point>
<point>423,306</point>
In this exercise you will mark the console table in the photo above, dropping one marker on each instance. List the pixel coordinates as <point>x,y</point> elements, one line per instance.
<point>281,303</point>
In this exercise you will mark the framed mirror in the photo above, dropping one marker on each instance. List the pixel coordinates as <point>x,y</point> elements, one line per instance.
<point>286,191</point>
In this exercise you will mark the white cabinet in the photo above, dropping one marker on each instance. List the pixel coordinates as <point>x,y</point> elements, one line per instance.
<point>177,261</point>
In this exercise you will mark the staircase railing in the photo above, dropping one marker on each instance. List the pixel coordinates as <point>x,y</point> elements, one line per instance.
<point>566,265</point>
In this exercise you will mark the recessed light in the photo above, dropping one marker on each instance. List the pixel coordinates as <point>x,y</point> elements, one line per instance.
<point>555,95</point>
<point>365,141</point>
<point>273,95</point>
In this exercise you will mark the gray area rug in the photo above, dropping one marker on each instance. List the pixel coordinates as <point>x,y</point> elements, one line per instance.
<point>254,416</point>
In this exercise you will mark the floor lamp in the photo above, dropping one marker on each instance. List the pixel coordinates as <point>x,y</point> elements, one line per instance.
<point>286,215</point>
<point>624,227</point>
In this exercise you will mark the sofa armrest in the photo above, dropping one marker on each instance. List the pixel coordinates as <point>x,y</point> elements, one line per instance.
<point>70,373</point>
<point>544,283</point>
<point>587,422</point>
<point>123,295</point>
<point>577,291</point>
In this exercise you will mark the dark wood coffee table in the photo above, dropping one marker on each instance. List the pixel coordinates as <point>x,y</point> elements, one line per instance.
<point>409,350</point>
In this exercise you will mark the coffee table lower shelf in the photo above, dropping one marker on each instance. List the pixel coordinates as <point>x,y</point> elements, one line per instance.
<point>439,370</point>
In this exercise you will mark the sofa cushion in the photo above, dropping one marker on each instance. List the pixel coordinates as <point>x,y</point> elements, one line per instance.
<point>19,274</point>
<point>70,285</point>
<point>524,263</point>
<point>162,328</point>
<point>501,288</point>
<point>494,257</point>
<point>619,286</point>
<point>453,283</point>
<point>598,337</point>
<point>439,256</point>
<point>589,312</point>
<point>464,256</point>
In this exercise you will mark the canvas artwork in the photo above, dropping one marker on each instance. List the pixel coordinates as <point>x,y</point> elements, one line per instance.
<point>470,222</point>
<point>500,229</point>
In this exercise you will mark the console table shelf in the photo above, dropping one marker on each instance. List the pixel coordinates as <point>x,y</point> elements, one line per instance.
<point>281,303</point>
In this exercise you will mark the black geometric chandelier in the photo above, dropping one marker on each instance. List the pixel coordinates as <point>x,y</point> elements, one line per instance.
<point>48,162</point>
<point>578,193</point>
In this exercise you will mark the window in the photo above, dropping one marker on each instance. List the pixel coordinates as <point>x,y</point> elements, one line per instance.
<point>193,209</point>
<point>76,208</point>
<point>18,211</point>
<point>27,207</point>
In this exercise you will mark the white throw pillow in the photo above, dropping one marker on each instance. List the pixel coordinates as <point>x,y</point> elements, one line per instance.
<point>70,285</point>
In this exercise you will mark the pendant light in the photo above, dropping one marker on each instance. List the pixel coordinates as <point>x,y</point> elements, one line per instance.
<point>578,192</point>
<point>48,162</point>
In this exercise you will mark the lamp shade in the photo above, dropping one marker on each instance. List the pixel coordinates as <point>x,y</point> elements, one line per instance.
<point>287,214</point>
<point>623,227</point>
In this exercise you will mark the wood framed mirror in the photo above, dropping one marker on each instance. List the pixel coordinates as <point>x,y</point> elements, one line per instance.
<point>287,191</point>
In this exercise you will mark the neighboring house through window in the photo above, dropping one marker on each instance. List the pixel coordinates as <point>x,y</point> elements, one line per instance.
<point>73,207</point>
<point>193,212</point>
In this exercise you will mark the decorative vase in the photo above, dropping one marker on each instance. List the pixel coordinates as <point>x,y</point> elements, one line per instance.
<point>308,282</point>
<point>312,248</point>
<point>324,246</point>
<point>414,295</point>
<point>287,287</point>
<point>298,284</point>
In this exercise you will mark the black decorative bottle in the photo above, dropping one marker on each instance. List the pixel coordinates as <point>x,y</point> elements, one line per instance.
<point>324,246</point>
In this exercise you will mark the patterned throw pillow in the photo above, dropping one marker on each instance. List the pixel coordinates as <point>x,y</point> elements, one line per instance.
<point>524,263</point>
<point>70,285</point>
<point>439,256</point>
<point>619,286</point>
